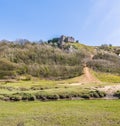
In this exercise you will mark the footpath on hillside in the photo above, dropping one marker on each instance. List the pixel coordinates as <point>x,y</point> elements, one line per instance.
<point>87,77</point>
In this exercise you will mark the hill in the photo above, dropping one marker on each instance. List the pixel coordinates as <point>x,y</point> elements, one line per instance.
<point>48,60</point>
<point>47,71</point>
<point>39,60</point>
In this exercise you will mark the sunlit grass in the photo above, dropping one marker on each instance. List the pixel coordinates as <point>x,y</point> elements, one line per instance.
<point>107,77</point>
<point>80,46</point>
<point>61,113</point>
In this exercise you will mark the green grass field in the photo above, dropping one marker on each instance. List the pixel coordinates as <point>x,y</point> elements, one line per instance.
<point>60,113</point>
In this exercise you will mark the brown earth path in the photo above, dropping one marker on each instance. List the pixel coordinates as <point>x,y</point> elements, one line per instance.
<point>87,77</point>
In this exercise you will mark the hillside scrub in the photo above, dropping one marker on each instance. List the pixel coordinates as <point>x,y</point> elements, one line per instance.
<point>105,62</point>
<point>39,60</point>
<point>7,68</point>
<point>44,60</point>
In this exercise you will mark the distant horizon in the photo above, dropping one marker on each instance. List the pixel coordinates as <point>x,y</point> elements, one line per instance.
<point>92,22</point>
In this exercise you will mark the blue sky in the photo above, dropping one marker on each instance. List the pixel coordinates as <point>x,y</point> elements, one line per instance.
<point>92,22</point>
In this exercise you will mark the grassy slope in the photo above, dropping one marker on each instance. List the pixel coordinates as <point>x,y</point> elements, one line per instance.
<point>82,47</point>
<point>61,113</point>
<point>107,77</point>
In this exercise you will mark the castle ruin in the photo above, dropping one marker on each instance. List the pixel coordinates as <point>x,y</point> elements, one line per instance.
<point>64,39</point>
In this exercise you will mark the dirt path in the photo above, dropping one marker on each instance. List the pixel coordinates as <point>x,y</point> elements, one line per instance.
<point>87,77</point>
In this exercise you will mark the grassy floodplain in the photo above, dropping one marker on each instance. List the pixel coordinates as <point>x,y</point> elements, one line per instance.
<point>60,113</point>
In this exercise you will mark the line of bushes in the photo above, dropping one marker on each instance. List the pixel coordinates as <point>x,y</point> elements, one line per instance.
<point>44,96</point>
<point>55,71</point>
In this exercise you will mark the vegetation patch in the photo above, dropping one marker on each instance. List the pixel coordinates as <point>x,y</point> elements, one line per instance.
<point>105,62</point>
<point>52,95</point>
<point>39,60</point>
<point>62,113</point>
<point>107,77</point>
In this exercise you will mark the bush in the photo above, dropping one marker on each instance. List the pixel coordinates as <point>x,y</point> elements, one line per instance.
<point>29,97</point>
<point>97,94</point>
<point>21,96</point>
<point>53,97</point>
<point>65,95</point>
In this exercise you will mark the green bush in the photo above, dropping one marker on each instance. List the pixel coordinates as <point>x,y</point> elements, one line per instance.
<point>29,97</point>
<point>97,94</point>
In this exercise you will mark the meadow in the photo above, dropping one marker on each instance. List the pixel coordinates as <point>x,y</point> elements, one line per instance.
<point>70,110</point>
<point>41,89</point>
<point>60,113</point>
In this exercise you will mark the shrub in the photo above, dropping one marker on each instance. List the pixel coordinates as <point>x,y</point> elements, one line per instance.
<point>97,94</point>
<point>41,96</point>
<point>53,97</point>
<point>29,97</point>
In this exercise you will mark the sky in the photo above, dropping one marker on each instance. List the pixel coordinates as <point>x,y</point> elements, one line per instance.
<point>92,22</point>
